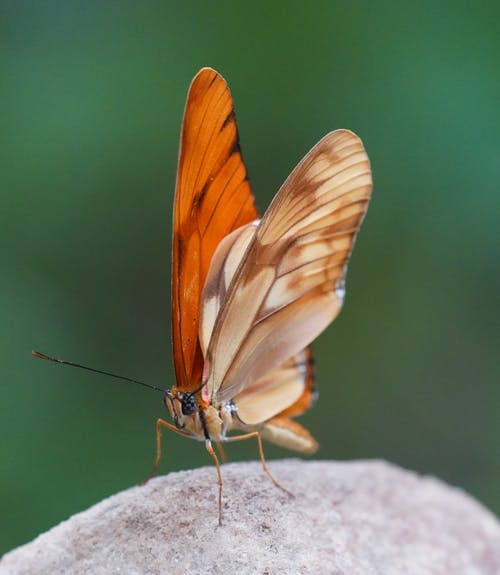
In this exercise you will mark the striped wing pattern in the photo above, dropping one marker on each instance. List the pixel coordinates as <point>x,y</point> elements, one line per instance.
<point>289,283</point>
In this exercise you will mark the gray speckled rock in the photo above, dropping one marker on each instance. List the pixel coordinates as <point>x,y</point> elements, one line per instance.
<point>353,518</point>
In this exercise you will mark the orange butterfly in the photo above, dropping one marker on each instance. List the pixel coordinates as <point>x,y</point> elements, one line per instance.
<point>249,295</point>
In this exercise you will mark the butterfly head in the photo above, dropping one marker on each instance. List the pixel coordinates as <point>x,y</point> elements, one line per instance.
<point>181,405</point>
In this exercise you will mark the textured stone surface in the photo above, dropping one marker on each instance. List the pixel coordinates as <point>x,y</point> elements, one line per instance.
<point>353,518</point>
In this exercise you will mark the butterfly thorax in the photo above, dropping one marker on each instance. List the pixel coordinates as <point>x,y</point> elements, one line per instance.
<point>194,416</point>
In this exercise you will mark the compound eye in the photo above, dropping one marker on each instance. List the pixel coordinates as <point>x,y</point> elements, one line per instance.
<point>189,404</point>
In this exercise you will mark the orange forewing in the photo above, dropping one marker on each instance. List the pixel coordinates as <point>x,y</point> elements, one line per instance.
<point>213,197</point>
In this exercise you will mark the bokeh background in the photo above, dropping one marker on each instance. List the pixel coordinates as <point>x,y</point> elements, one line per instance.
<point>92,97</point>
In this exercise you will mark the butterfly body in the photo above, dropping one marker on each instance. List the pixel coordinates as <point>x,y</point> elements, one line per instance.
<point>249,295</point>
<point>200,421</point>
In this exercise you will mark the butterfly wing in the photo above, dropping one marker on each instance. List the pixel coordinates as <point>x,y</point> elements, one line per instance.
<point>213,197</point>
<point>292,386</point>
<point>289,284</point>
<point>287,388</point>
<point>285,432</point>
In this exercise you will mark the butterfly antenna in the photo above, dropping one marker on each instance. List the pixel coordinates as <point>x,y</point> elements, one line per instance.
<point>72,364</point>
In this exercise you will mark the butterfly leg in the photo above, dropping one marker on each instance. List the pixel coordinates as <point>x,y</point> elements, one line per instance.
<point>257,436</point>
<point>210,449</point>
<point>159,424</point>
<point>221,452</point>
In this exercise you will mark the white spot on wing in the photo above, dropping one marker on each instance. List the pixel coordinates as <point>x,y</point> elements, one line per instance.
<point>339,289</point>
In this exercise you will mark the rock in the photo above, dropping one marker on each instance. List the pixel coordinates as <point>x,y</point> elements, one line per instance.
<point>352,518</point>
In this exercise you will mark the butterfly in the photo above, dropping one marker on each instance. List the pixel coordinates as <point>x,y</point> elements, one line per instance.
<point>249,295</point>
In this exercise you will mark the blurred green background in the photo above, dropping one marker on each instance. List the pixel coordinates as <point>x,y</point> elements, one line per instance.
<point>92,97</point>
